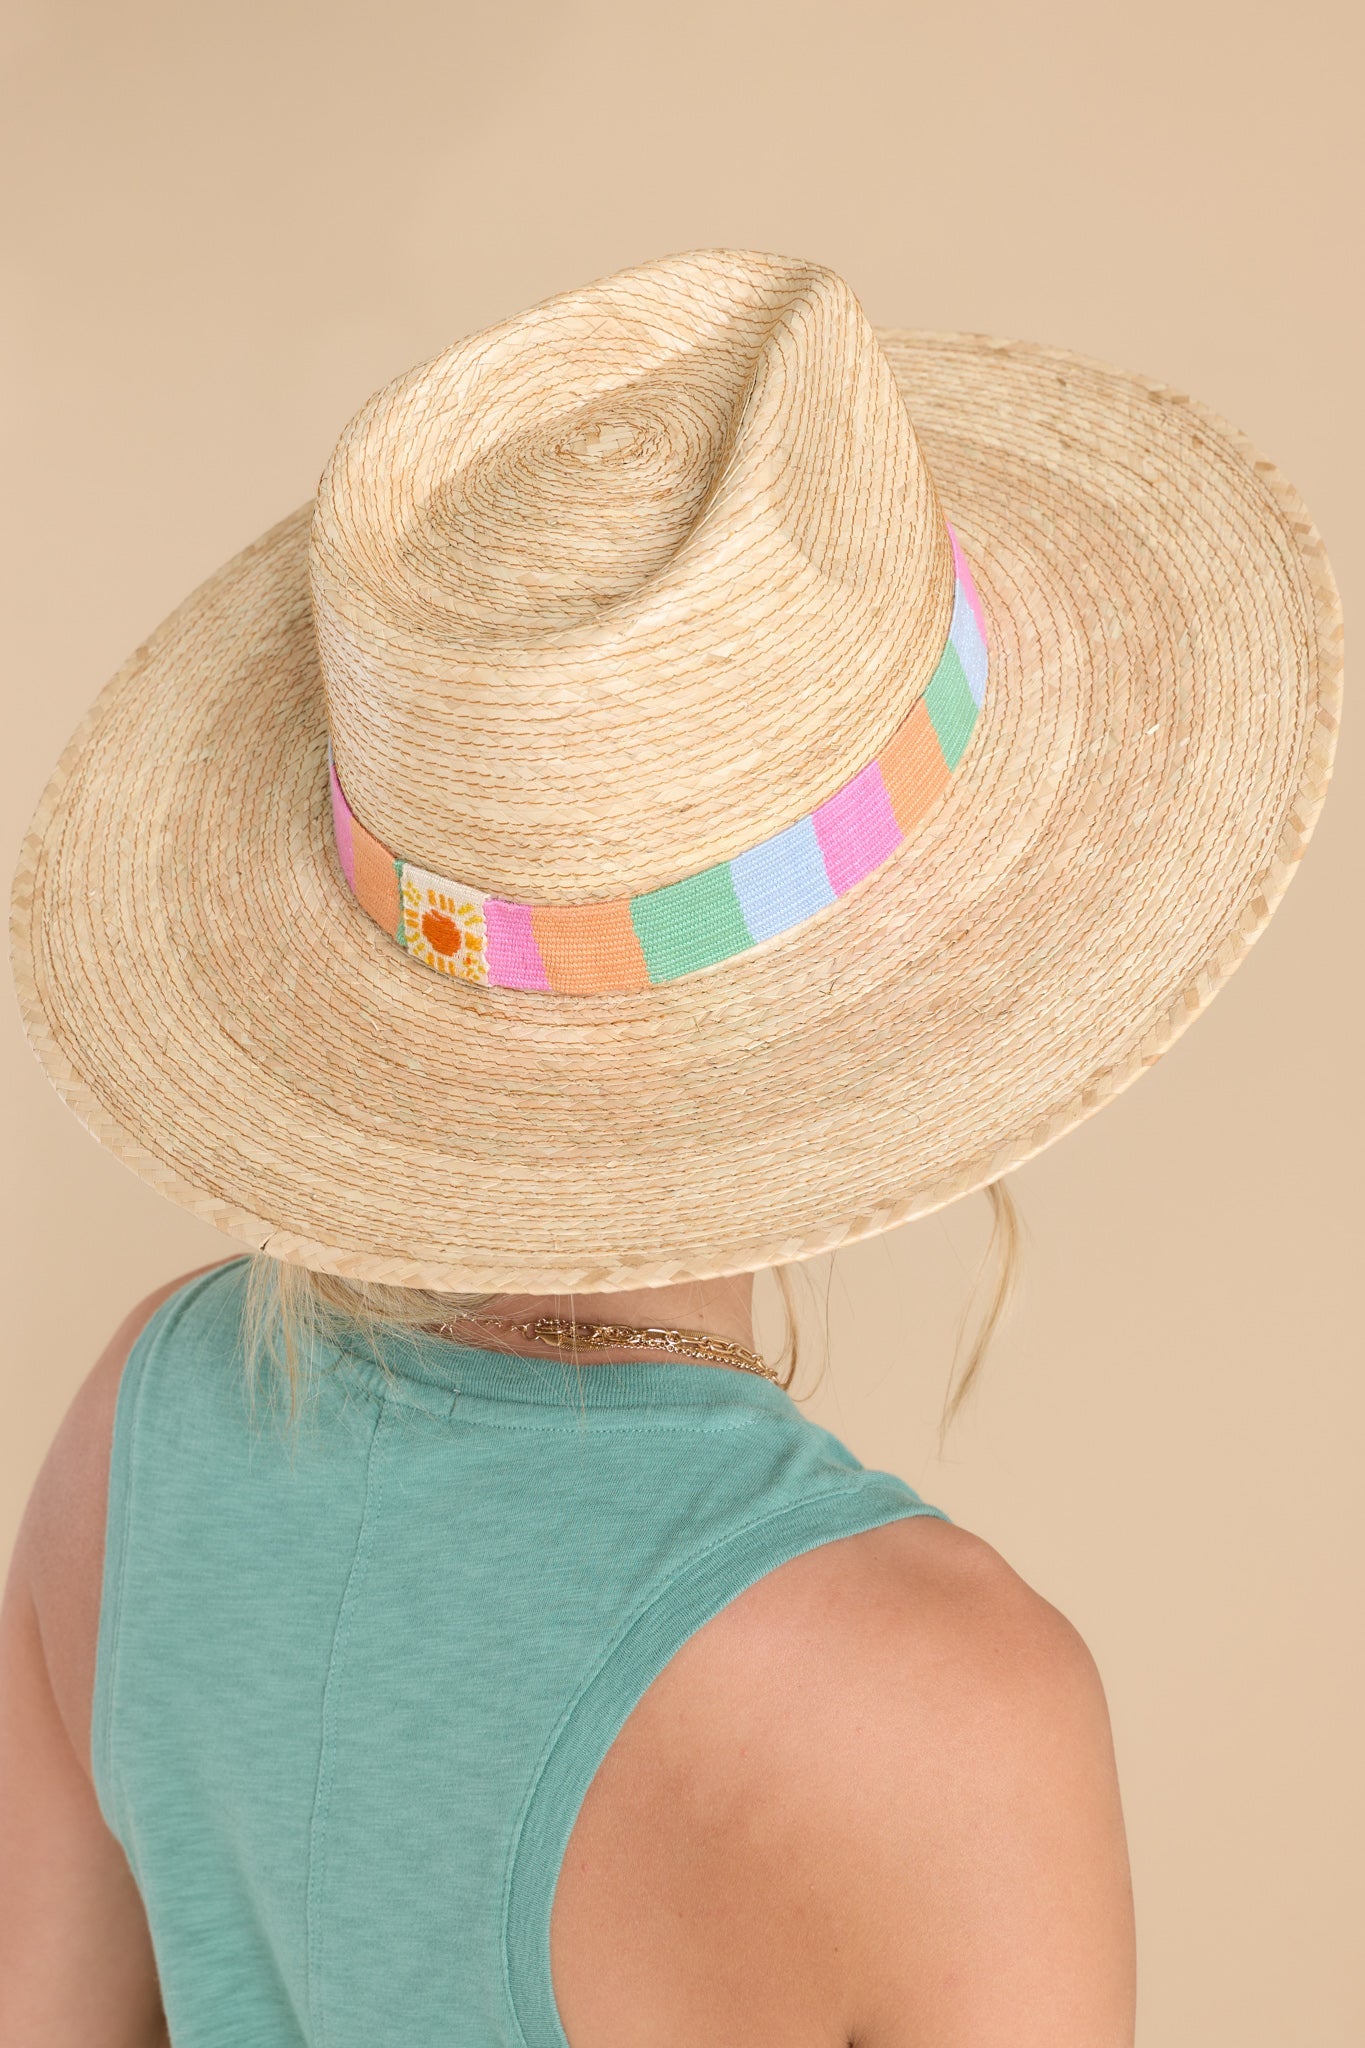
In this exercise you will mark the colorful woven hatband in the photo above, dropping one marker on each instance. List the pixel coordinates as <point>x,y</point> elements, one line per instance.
<point>635,942</point>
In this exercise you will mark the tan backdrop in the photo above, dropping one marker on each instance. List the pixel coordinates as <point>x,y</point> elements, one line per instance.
<point>229,224</point>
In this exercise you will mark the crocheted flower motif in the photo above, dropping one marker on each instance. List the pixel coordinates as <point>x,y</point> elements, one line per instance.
<point>444,925</point>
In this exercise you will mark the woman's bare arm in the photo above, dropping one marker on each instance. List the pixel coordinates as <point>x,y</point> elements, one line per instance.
<point>992,1903</point>
<point>871,1802</point>
<point>76,1963</point>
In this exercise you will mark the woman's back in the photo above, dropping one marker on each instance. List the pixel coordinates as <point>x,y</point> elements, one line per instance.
<point>355,1696</point>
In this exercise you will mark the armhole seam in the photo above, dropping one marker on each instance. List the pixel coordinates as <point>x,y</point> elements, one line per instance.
<point>109,1634</point>
<point>114,1570</point>
<point>641,1649</point>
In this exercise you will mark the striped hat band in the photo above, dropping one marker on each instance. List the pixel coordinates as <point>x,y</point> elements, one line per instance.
<point>637,942</point>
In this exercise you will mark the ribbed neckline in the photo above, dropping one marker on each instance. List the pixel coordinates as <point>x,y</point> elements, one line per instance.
<point>551,1383</point>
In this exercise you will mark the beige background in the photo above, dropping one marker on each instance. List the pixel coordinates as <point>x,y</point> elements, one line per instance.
<point>229,224</point>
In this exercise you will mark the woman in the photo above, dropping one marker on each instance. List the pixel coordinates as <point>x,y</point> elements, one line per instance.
<point>780,776</point>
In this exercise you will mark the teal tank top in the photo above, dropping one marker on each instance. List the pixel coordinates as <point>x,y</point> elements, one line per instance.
<point>351,1689</point>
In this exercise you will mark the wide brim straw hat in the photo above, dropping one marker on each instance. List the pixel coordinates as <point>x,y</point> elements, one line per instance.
<point>783,774</point>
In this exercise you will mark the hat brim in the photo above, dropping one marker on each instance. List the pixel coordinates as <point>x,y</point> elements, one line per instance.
<point>1155,744</point>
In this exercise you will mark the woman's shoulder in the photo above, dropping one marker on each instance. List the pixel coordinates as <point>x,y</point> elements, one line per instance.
<point>59,1553</point>
<point>892,1757</point>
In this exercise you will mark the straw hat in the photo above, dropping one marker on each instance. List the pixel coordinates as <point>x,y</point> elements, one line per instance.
<point>783,774</point>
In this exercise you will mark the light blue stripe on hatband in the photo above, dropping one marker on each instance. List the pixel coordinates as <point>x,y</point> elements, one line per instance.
<point>965,636</point>
<point>782,880</point>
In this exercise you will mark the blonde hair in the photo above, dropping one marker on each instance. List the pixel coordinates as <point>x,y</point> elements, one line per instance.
<point>290,1311</point>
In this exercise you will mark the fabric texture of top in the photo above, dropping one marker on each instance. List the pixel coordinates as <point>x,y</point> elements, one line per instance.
<point>352,1687</point>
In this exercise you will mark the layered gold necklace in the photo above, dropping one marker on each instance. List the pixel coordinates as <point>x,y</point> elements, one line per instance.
<point>567,1335</point>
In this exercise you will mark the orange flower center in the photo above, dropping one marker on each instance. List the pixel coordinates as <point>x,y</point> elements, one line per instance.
<point>441,933</point>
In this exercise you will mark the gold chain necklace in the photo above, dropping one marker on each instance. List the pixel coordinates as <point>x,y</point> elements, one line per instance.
<point>567,1335</point>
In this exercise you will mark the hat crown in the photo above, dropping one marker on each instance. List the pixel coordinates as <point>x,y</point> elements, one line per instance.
<point>619,587</point>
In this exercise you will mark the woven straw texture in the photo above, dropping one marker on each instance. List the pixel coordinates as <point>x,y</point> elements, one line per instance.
<point>741,602</point>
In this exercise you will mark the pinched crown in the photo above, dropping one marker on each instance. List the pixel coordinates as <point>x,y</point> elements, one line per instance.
<point>616,589</point>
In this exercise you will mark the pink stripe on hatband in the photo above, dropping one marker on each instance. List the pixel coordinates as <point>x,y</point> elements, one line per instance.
<point>964,577</point>
<point>856,829</point>
<point>513,956</point>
